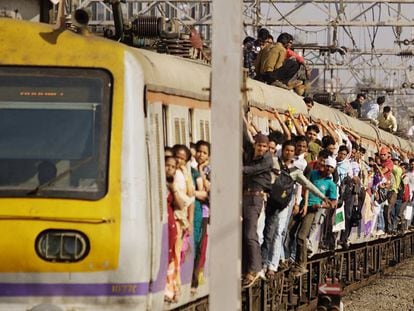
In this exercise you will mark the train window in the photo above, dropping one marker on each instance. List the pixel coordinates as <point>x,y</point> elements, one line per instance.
<point>178,125</point>
<point>177,130</point>
<point>54,132</point>
<point>207,131</point>
<point>202,135</point>
<point>180,131</point>
<point>204,130</point>
<point>183,132</point>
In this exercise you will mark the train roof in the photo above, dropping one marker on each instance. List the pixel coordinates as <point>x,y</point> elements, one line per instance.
<point>183,77</point>
<point>174,75</point>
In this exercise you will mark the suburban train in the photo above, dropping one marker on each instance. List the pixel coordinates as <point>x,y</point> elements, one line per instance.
<point>83,125</point>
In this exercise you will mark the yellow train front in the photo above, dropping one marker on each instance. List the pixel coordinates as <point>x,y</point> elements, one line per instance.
<point>83,124</point>
<point>72,153</point>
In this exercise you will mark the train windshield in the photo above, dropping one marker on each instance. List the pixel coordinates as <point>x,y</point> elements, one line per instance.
<point>54,132</point>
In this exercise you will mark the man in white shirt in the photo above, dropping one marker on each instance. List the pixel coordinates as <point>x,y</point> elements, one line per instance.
<point>371,109</point>
<point>410,175</point>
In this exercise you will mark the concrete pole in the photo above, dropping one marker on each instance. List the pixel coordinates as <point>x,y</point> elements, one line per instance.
<point>225,233</point>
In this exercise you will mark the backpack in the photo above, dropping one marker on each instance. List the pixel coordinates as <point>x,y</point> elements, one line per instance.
<point>282,188</point>
<point>345,191</point>
<point>356,211</point>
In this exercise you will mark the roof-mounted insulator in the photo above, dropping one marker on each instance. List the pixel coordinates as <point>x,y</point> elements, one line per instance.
<point>406,53</point>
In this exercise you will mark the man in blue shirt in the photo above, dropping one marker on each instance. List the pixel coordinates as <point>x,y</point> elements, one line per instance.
<point>322,179</point>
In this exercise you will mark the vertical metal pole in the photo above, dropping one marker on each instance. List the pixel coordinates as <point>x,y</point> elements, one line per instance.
<point>225,233</point>
<point>257,6</point>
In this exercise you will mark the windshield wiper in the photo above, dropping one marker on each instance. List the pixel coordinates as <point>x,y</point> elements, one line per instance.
<point>46,184</point>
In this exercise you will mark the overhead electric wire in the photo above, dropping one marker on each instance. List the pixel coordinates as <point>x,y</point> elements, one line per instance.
<point>290,23</point>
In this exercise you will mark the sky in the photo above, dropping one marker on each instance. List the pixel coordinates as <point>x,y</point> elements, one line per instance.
<point>387,71</point>
<point>380,68</point>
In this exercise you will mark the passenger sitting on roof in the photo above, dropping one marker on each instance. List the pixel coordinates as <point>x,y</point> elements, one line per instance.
<point>297,62</point>
<point>371,109</point>
<point>249,55</point>
<point>263,36</point>
<point>386,121</point>
<point>273,65</point>
<point>308,102</point>
<point>357,103</point>
<point>265,42</point>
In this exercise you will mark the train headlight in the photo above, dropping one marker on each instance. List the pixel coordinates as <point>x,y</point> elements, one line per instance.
<point>62,245</point>
<point>51,245</point>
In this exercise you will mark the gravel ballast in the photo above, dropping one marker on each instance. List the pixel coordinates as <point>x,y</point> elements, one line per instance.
<point>394,291</point>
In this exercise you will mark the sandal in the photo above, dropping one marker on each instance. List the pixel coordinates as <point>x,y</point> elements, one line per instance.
<point>270,275</point>
<point>250,279</point>
<point>285,265</point>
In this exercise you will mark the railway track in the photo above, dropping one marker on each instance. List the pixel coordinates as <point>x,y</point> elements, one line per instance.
<point>353,268</point>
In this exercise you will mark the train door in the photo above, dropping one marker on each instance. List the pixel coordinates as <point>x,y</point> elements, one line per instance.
<point>157,195</point>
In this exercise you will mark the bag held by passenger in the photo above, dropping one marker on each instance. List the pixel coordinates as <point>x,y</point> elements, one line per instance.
<point>339,221</point>
<point>403,193</point>
<point>282,188</point>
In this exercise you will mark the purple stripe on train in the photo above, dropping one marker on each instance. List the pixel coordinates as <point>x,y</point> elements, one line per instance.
<point>61,289</point>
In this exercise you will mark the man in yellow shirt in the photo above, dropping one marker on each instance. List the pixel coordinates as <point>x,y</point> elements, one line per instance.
<point>386,121</point>
<point>273,66</point>
<point>392,194</point>
<point>276,55</point>
<point>264,50</point>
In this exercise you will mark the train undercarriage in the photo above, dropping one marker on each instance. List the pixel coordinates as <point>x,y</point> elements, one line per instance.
<point>351,268</point>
